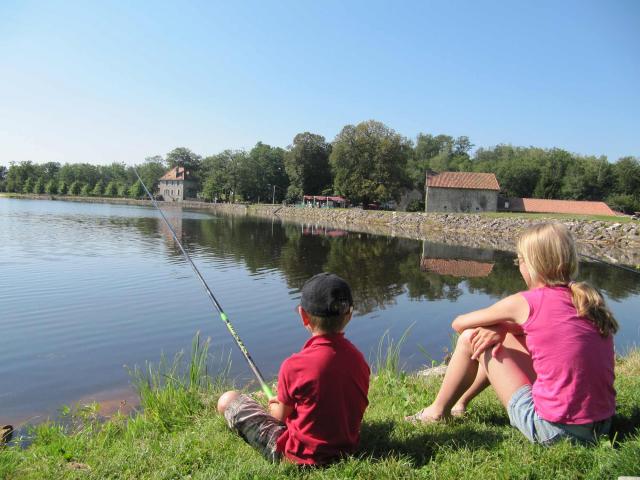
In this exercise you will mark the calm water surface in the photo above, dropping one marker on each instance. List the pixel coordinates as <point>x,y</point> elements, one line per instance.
<point>87,289</point>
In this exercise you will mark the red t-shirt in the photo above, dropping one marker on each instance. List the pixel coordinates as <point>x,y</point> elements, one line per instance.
<point>326,384</point>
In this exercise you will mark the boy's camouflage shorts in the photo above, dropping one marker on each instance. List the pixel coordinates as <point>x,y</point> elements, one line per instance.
<point>255,425</point>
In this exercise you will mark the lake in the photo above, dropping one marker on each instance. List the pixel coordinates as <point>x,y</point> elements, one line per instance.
<point>87,290</point>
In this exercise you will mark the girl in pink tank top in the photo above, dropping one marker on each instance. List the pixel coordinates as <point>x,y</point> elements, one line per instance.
<point>547,352</point>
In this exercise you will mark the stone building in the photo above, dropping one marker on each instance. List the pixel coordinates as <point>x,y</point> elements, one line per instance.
<point>461,192</point>
<point>177,185</point>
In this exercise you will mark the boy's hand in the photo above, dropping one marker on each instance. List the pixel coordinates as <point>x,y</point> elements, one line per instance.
<point>279,410</point>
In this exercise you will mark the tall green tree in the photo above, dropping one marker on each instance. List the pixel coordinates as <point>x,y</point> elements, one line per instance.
<point>3,178</point>
<point>136,190</point>
<point>185,158</point>
<point>75,188</point>
<point>97,189</point>
<point>626,172</point>
<point>111,190</point>
<point>18,174</point>
<point>588,178</point>
<point>369,162</point>
<point>38,186</point>
<point>307,165</point>
<point>263,174</point>
<point>51,187</point>
<point>150,171</point>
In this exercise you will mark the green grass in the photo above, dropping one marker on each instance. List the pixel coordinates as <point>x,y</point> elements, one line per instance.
<point>178,434</point>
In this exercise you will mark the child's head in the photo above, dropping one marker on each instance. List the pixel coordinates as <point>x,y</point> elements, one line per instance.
<point>326,299</point>
<point>549,254</point>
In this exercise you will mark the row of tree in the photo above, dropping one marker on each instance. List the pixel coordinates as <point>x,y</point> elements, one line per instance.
<point>368,162</point>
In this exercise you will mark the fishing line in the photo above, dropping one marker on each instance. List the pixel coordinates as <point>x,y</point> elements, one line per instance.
<point>223,316</point>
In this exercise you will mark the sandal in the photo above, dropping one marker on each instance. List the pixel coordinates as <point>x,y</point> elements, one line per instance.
<point>6,432</point>
<point>458,411</point>
<point>418,418</point>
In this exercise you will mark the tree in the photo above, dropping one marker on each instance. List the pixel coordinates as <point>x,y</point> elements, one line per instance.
<point>136,190</point>
<point>185,158</point>
<point>38,186</point>
<point>150,172</point>
<point>62,187</point>
<point>626,172</point>
<point>368,161</point>
<point>111,189</point>
<point>75,188</point>
<point>3,176</point>
<point>123,190</point>
<point>97,189</point>
<point>222,173</point>
<point>51,187</point>
<point>86,189</point>
<point>307,165</point>
<point>260,171</point>
<point>27,186</point>
<point>18,174</point>
<point>588,178</point>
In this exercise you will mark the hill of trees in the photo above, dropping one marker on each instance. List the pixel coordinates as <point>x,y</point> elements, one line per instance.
<point>366,162</point>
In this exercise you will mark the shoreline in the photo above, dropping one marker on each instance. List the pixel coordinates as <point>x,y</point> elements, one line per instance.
<point>615,241</point>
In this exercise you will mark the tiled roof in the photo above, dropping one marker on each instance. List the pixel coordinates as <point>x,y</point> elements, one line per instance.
<point>456,268</point>
<point>540,205</point>
<point>176,173</point>
<point>472,180</point>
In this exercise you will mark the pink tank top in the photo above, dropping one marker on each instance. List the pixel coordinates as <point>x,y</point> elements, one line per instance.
<point>573,362</point>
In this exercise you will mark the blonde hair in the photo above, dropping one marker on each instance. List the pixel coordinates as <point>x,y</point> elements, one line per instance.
<point>549,253</point>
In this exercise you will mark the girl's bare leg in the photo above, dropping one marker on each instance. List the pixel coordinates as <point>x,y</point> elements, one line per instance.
<point>461,374</point>
<point>510,369</point>
<point>479,384</point>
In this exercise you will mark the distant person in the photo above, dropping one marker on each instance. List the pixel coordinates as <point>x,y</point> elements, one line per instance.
<point>322,390</point>
<point>547,352</point>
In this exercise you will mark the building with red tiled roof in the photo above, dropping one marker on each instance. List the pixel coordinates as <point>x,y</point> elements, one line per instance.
<point>541,205</point>
<point>177,185</point>
<point>461,192</point>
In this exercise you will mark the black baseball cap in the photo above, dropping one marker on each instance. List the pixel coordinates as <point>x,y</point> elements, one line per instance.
<point>326,295</point>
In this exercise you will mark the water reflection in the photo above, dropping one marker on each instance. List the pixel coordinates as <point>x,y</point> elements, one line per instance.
<point>88,288</point>
<point>379,268</point>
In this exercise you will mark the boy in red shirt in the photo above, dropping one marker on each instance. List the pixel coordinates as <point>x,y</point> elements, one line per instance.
<point>322,390</point>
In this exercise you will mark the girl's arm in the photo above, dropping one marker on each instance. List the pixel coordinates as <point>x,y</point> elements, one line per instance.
<point>513,309</point>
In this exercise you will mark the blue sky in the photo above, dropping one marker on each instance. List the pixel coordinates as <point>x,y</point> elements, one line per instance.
<point>97,82</point>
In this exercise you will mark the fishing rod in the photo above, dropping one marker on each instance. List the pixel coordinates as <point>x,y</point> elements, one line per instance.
<point>596,259</point>
<point>223,316</point>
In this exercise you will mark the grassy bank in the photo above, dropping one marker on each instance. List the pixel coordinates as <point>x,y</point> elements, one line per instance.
<point>179,435</point>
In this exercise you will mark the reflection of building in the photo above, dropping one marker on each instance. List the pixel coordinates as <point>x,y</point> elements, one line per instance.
<point>322,231</point>
<point>456,268</point>
<point>177,185</point>
<point>461,192</point>
<point>174,217</point>
<point>323,201</point>
<point>456,261</point>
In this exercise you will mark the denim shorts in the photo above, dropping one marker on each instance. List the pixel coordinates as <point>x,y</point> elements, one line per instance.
<point>255,426</point>
<point>523,416</point>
